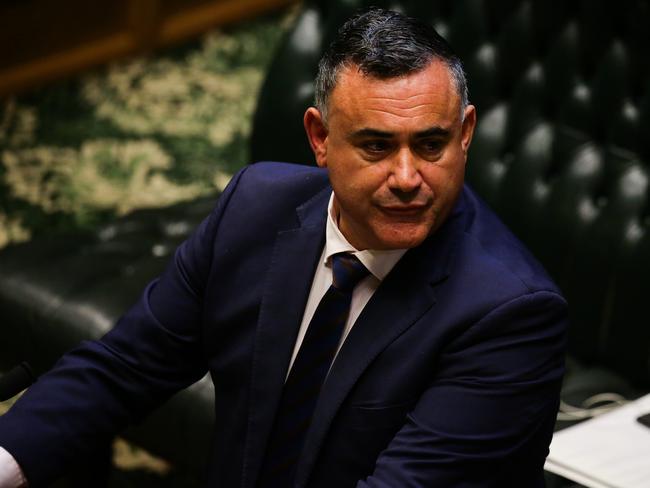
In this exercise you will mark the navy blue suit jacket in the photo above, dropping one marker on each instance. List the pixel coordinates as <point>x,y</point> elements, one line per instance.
<point>449,378</point>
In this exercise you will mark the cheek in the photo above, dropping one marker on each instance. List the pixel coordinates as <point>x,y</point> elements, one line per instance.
<point>444,179</point>
<point>359,183</point>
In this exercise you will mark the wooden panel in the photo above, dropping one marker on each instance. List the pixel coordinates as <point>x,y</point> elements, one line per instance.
<point>203,15</point>
<point>54,66</point>
<point>34,29</point>
<point>144,20</point>
<point>43,40</point>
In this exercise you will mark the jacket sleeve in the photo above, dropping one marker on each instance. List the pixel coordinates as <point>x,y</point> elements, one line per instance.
<point>487,418</point>
<point>100,387</point>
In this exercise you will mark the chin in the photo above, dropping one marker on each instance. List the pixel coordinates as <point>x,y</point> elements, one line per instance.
<point>402,238</point>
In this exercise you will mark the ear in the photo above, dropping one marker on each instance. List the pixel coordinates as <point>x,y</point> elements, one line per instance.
<point>317,135</point>
<point>469,122</point>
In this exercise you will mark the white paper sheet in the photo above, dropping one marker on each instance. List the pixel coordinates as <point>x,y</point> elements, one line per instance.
<point>609,451</point>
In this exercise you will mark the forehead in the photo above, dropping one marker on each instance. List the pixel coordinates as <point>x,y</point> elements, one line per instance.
<point>427,97</point>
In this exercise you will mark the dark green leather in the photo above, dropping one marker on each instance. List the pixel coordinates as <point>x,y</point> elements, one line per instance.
<point>56,292</point>
<point>561,151</point>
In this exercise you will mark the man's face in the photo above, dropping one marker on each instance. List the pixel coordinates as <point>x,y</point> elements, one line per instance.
<point>396,151</point>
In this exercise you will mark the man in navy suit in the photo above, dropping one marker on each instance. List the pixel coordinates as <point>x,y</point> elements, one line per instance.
<point>449,363</point>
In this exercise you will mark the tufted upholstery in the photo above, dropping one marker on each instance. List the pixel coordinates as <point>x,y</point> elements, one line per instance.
<point>56,292</point>
<point>562,91</point>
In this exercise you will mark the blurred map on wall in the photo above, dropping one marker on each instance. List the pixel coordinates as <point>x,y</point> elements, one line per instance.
<point>143,132</point>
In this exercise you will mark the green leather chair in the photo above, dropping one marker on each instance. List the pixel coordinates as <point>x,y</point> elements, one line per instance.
<point>562,91</point>
<point>55,293</point>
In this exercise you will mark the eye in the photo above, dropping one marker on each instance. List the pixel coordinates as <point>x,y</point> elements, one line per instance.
<point>375,146</point>
<point>431,148</point>
<point>375,149</point>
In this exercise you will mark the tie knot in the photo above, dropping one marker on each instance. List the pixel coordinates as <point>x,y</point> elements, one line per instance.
<point>347,271</point>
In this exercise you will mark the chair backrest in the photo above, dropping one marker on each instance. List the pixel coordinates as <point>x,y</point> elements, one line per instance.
<point>562,148</point>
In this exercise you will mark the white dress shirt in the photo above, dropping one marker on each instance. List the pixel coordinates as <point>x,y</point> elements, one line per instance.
<point>379,263</point>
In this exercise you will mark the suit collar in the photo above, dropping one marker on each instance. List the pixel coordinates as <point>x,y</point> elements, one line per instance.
<point>314,211</point>
<point>404,296</point>
<point>287,284</point>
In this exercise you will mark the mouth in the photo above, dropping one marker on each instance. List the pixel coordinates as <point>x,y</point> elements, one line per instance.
<point>411,210</point>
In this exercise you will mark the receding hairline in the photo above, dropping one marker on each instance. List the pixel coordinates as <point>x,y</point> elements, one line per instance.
<point>349,65</point>
<point>385,44</point>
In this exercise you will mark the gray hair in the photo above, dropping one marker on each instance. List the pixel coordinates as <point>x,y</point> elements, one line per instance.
<point>385,44</point>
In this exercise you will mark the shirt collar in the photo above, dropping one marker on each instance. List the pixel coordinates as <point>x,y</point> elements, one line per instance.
<point>378,262</point>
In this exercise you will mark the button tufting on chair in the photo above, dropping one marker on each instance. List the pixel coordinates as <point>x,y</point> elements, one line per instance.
<point>561,150</point>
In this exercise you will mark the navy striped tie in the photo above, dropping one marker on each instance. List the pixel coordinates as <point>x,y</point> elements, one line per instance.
<point>308,373</point>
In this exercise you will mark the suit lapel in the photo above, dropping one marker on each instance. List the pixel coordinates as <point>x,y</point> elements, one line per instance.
<point>286,290</point>
<point>406,294</point>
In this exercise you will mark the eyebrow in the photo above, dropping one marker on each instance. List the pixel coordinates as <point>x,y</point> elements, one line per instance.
<point>372,133</point>
<point>435,131</point>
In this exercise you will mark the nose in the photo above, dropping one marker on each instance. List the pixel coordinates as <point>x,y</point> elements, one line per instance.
<point>405,176</point>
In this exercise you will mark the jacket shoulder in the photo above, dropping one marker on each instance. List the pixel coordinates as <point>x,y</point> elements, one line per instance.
<point>490,246</point>
<point>276,176</point>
